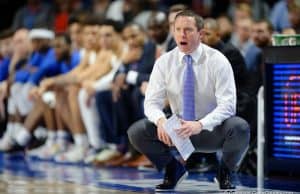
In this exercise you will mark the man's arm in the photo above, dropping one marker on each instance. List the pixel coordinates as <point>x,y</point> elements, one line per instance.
<point>225,93</point>
<point>101,67</point>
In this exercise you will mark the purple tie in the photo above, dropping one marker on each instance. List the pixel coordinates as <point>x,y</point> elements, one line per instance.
<point>188,90</point>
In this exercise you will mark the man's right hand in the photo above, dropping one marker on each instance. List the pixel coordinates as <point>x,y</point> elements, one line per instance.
<point>46,84</point>
<point>161,133</point>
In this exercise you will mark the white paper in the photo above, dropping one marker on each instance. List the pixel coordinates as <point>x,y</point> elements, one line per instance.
<point>183,145</point>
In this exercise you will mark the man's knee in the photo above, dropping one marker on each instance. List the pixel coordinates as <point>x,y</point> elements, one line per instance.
<point>135,132</point>
<point>139,131</point>
<point>239,126</point>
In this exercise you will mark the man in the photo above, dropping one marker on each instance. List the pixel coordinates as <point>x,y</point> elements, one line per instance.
<point>208,120</point>
<point>158,31</point>
<point>19,57</point>
<point>261,34</point>
<point>127,100</point>
<point>212,37</point>
<point>68,86</point>
<point>241,35</point>
<point>42,110</point>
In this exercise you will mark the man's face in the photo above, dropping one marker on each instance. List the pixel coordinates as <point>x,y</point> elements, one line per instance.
<point>106,36</point>
<point>90,35</point>
<point>133,36</point>
<point>6,48</point>
<point>61,48</point>
<point>260,34</point>
<point>243,29</point>
<point>209,36</point>
<point>37,44</point>
<point>186,34</point>
<point>75,33</point>
<point>21,43</point>
<point>158,32</point>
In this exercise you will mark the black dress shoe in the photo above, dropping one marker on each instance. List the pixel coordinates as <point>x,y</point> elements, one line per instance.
<point>224,177</point>
<point>175,173</point>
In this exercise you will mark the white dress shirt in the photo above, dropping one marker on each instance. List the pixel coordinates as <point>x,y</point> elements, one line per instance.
<point>215,92</point>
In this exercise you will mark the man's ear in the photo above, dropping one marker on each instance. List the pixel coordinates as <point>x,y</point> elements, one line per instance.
<point>201,33</point>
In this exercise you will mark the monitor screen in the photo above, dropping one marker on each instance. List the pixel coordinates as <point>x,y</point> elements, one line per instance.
<point>286,111</point>
<point>282,109</point>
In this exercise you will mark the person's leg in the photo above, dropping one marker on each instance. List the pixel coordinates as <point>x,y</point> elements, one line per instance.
<point>104,106</point>
<point>25,105</point>
<point>137,102</point>
<point>78,152</point>
<point>143,136</point>
<point>62,111</point>
<point>91,120</point>
<point>61,115</point>
<point>123,114</point>
<point>77,129</point>
<point>232,136</point>
<point>31,122</point>
<point>108,127</point>
<point>7,141</point>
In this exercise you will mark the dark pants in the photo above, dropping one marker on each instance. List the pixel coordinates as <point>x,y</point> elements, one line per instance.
<point>105,106</point>
<point>232,137</point>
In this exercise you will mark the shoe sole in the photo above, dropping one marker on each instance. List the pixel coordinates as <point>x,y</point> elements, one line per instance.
<point>178,182</point>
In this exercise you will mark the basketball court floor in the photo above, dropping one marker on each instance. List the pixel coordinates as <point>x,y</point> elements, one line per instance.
<point>19,174</point>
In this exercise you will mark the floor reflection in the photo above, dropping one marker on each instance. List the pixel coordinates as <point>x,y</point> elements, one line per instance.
<point>11,184</point>
<point>19,174</point>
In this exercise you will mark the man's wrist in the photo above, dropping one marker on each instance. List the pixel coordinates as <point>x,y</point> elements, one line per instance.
<point>160,121</point>
<point>201,125</point>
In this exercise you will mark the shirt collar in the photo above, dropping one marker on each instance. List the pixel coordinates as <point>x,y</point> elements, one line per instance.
<point>195,55</point>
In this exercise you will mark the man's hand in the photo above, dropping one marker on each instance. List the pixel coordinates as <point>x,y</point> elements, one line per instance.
<point>115,90</point>
<point>119,83</point>
<point>189,128</point>
<point>161,133</point>
<point>46,84</point>
<point>133,55</point>
<point>34,94</point>
<point>144,87</point>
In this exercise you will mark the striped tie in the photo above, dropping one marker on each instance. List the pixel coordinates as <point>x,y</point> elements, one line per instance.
<point>188,90</point>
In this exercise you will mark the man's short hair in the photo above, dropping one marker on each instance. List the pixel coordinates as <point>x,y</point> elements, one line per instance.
<point>269,24</point>
<point>92,20</point>
<point>177,8</point>
<point>117,26</point>
<point>188,13</point>
<point>7,33</point>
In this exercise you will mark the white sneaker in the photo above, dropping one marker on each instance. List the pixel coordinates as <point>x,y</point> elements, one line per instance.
<point>91,155</point>
<point>51,152</point>
<point>75,154</point>
<point>107,154</point>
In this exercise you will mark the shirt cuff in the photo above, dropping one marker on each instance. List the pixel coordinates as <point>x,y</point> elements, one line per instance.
<point>131,77</point>
<point>155,116</point>
<point>206,124</point>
